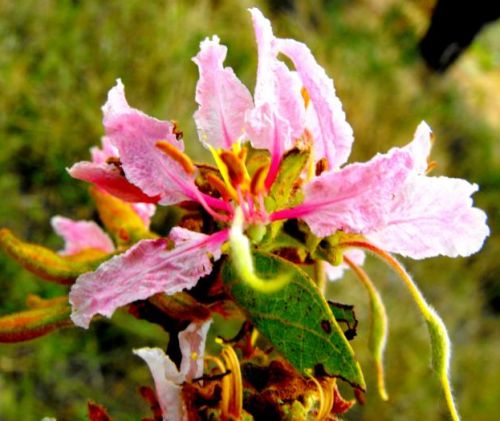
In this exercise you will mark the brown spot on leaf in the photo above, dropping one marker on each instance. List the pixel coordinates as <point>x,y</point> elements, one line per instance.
<point>326,326</point>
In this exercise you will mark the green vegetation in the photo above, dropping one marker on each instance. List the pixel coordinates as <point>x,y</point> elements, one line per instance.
<point>59,58</point>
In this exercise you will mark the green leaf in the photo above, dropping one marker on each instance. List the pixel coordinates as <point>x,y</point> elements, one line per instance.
<point>344,314</point>
<point>296,319</point>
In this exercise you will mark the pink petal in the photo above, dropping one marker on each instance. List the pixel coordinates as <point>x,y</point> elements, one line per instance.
<point>165,374</point>
<point>192,343</point>
<point>168,389</point>
<point>223,100</point>
<point>337,272</point>
<point>109,178</point>
<point>135,135</point>
<point>145,212</point>
<point>100,155</point>
<point>81,235</point>
<point>334,140</point>
<point>145,269</point>
<point>276,85</point>
<point>432,216</point>
<point>355,199</point>
<point>420,147</point>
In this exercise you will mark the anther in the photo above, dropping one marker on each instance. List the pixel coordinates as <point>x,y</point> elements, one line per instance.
<point>221,187</point>
<point>257,184</point>
<point>305,96</point>
<point>180,157</point>
<point>235,167</point>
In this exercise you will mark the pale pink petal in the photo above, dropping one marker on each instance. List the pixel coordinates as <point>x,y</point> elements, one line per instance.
<point>145,269</point>
<point>337,272</point>
<point>100,155</point>
<point>110,179</point>
<point>81,235</point>
<point>165,376</point>
<point>223,100</point>
<point>276,85</point>
<point>334,139</point>
<point>181,235</point>
<point>192,344</point>
<point>145,211</point>
<point>432,216</point>
<point>354,199</point>
<point>420,147</point>
<point>135,135</point>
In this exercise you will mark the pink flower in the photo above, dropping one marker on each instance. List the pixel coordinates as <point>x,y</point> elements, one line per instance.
<point>168,378</point>
<point>389,199</point>
<point>80,236</point>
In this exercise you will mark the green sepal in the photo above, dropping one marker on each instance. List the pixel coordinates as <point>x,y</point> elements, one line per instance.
<point>31,324</point>
<point>44,262</point>
<point>285,190</point>
<point>296,319</point>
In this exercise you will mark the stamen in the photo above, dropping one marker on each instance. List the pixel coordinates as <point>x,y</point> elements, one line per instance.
<point>177,155</point>
<point>379,325</point>
<point>221,187</point>
<point>257,184</point>
<point>305,96</point>
<point>226,385</point>
<point>231,359</point>
<point>431,166</point>
<point>223,170</point>
<point>236,169</point>
<point>440,342</point>
<point>243,259</point>
<point>321,397</point>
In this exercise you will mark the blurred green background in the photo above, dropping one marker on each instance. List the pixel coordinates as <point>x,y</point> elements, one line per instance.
<point>59,58</point>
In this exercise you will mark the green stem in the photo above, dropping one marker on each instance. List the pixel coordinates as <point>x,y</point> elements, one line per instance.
<point>320,275</point>
<point>380,325</point>
<point>440,342</point>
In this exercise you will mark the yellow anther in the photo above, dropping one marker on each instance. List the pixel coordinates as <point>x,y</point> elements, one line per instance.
<point>431,166</point>
<point>305,96</point>
<point>194,356</point>
<point>257,184</point>
<point>223,171</point>
<point>235,166</point>
<point>180,157</point>
<point>221,187</point>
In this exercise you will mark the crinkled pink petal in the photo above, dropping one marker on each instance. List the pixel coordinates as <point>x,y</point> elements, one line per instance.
<point>135,135</point>
<point>145,269</point>
<point>165,374</point>
<point>277,87</point>
<point>334,140</point>
<point>354,199</point>
<point>337,272</point>
<point>109,178</point>
<point>81,235</point>
<point>223,100</point>
<point>432,216</point>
